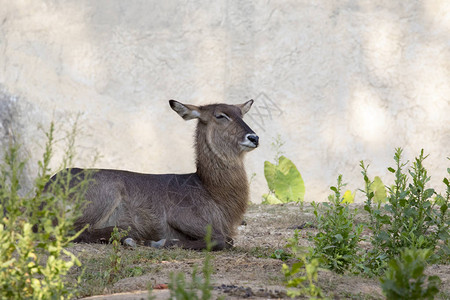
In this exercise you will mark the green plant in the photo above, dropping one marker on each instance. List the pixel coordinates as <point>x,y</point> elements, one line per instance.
<point>411,217</point>
<point>283,178</point>
<point>281,254</point>
<point>252,178</point>
<point>36,227</point>
<point>375,260</point>
<point>302,276</point>
<point>115,256</point>
<point>336,243</point>
<point>284,181</point>
<point>134,271</point>
<point>443,252</point>
<point>405,278</point>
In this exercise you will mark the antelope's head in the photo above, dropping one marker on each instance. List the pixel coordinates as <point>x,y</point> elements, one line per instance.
<point>221,128</point>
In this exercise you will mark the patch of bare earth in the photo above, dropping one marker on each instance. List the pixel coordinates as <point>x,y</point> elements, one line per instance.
<point>246,271</point>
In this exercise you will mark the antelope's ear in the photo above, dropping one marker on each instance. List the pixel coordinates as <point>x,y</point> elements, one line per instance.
<point>186,111</point>
<point>246,106</point>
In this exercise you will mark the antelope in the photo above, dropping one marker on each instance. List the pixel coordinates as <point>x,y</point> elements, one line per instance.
<point>163,210</point>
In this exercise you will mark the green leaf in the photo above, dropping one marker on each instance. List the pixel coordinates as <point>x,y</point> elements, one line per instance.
<point>270,171</point>
<point>338,237</point>
<point>383,235</point>
<point>428,193</point>
<point>379,190</point>
<point>328,247</point>
<point>296,267</point>
<point>285,180</point>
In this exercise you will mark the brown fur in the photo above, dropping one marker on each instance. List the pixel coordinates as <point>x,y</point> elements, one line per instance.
<point>178,207</point>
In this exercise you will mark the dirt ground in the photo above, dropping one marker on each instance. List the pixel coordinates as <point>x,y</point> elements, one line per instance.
<point>247,271</point>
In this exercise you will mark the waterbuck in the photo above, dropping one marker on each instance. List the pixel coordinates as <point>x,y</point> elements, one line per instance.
<point>175,209</point>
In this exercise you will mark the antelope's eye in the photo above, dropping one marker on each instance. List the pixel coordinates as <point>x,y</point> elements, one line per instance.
<point>222,116</point>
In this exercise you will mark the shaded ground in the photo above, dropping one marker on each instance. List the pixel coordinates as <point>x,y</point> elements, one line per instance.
<point>247,271</point>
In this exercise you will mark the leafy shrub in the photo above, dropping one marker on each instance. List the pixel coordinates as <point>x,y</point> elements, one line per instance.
<point>33,263</point>
<point>405,278</point>
<point>115,257</point>
<point>444,201</point>
<point>443,253</point>
<point>336,243</point>
<point>411,217</point>
<point>301,278</point>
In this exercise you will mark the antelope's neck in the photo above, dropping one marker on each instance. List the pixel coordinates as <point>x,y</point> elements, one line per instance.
<point>222,179</point>
<point>226,182</point>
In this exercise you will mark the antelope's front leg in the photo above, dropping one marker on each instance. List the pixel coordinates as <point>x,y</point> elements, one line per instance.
<point>218,244</point>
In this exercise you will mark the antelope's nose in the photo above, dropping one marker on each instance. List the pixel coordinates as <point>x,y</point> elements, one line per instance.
<point>253,138</point>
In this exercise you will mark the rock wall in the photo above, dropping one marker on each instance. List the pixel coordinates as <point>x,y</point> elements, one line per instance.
<point>339,81</point>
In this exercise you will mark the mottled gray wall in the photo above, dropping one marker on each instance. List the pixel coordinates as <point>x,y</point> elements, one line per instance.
<point>340,81</point>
